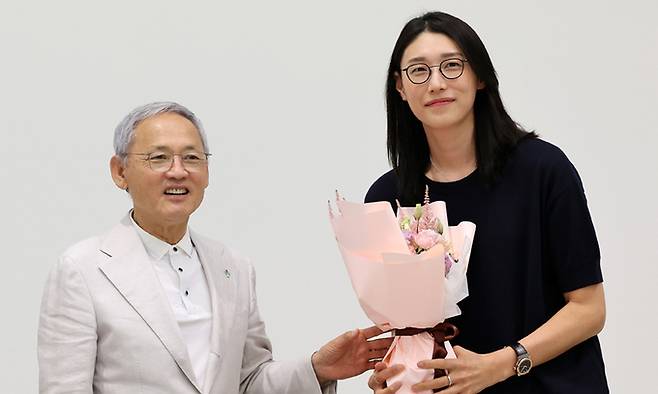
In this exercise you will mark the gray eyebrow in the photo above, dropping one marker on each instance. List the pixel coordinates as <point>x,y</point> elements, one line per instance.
<point>187,148</point>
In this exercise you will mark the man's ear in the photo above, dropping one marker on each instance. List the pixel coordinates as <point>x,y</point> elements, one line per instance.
<point>117,170</point>
<point>399,87</point>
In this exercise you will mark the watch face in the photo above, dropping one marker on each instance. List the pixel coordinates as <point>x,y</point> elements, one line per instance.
<point>523,366</point>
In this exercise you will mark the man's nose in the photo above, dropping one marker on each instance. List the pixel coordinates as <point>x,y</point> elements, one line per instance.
<point>177,168</point>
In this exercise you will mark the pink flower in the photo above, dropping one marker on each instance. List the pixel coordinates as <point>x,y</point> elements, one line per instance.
<point>428,223</point>
<point>425,239</point>
<point>409,238</point>
<point>408,235</point>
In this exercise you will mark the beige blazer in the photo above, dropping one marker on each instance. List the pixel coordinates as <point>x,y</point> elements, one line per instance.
<point>106,326</point>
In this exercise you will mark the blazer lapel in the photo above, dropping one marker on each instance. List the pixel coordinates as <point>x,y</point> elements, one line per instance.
<point>220,276</point>
<point>133,275</point>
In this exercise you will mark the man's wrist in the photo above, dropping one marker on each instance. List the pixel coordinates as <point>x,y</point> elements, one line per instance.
<point>317,368</point>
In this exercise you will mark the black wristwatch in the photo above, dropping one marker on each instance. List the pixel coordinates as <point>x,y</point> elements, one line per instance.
<point>523,361</point>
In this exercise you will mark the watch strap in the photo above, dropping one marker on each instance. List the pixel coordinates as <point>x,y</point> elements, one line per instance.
<point>523,361</point>
<point>519,350</point>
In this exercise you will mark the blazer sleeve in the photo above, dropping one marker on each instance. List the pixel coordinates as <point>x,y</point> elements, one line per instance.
<point>260,373</point>
<point>67,332</point>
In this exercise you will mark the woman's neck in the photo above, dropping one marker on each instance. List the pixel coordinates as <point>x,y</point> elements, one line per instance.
<point>452,152</point>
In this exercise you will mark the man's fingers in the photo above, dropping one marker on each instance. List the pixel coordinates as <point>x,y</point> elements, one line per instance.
<point>346,337</point>
<point>371,364</point>
<point>390,372</point>
<point>377,365</point>
<point>391,389</point>
<point>374,354</point>
<point>381,343</point>
<point>372,331</point>
<point>374,383</point>
<point>379,377</point>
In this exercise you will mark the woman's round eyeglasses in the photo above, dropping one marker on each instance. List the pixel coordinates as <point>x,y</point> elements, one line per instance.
<point>419,73</point>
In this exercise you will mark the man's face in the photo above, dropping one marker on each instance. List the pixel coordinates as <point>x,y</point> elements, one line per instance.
<point>162,199</point>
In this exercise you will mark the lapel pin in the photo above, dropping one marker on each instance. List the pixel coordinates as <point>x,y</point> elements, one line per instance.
<point>227,274</point>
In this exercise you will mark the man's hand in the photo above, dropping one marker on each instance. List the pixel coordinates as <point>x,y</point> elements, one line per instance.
<point>349,354</point>
<point>383,372</point>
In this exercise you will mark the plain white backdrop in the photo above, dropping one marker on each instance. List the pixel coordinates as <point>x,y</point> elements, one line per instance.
<point>291,94</point>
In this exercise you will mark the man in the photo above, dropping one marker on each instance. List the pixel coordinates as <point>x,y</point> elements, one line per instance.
<point>153,307</point>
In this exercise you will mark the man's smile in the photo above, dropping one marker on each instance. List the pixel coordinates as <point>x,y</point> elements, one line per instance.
<point>176,191</point>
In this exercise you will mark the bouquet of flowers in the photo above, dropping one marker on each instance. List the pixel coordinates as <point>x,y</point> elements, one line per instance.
<point>408,273</point>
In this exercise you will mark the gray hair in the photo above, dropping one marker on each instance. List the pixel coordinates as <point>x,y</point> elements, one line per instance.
<point>124,132</point>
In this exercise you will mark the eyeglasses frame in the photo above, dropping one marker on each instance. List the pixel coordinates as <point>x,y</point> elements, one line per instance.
<point>406,72</point>
<point>148,160</point>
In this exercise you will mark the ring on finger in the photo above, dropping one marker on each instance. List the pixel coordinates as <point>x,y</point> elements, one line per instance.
<point>449,378</point>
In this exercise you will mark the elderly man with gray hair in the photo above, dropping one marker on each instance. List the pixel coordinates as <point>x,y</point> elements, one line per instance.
<point>154,307</point>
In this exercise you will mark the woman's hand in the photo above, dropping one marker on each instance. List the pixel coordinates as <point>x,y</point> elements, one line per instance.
<point>582,317</point>
<point>470,372</point>
<point>377,381</point>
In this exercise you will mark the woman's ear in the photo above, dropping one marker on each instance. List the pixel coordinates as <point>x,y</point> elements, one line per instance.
<point>481,85</point>
<point>117,169</point>
<point>399,87</point>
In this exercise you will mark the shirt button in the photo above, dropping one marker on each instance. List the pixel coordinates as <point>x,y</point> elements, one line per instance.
<point>187,292</point>
<point>175,249</point>
<point>180,269</point>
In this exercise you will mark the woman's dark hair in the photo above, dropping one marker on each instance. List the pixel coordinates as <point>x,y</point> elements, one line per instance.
<point>496,134</point>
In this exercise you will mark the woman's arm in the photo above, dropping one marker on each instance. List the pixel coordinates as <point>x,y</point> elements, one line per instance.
<point>582,317</point>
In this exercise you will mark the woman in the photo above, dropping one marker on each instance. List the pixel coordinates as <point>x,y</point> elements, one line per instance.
<point>536,299</point>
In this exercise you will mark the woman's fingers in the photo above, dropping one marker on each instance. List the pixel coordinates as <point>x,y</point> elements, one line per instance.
<point>432,384</point>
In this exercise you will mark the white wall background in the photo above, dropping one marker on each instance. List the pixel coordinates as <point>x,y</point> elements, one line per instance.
<point>291,94</point>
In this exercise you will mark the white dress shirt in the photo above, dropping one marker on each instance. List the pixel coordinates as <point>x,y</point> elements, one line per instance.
<point>181,275</point>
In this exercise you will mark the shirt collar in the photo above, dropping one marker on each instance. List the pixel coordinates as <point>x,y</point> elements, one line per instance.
<point>157,248</point>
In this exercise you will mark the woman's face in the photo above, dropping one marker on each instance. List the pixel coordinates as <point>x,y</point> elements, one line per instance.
<point>439,103</point>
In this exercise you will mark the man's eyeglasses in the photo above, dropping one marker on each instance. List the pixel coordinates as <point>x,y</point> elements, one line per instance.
<point>420,73</point>
<point>163,161</point>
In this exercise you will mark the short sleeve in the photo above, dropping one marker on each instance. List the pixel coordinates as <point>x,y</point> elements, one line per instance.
<point>383,189</point>
<point>572,247</point>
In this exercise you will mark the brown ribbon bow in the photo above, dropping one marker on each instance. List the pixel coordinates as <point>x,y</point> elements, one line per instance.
<point>441,332</point>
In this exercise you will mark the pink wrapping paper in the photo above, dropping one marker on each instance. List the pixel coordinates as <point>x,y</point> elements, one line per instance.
<point>398,289</point>
<point>408,351</point>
